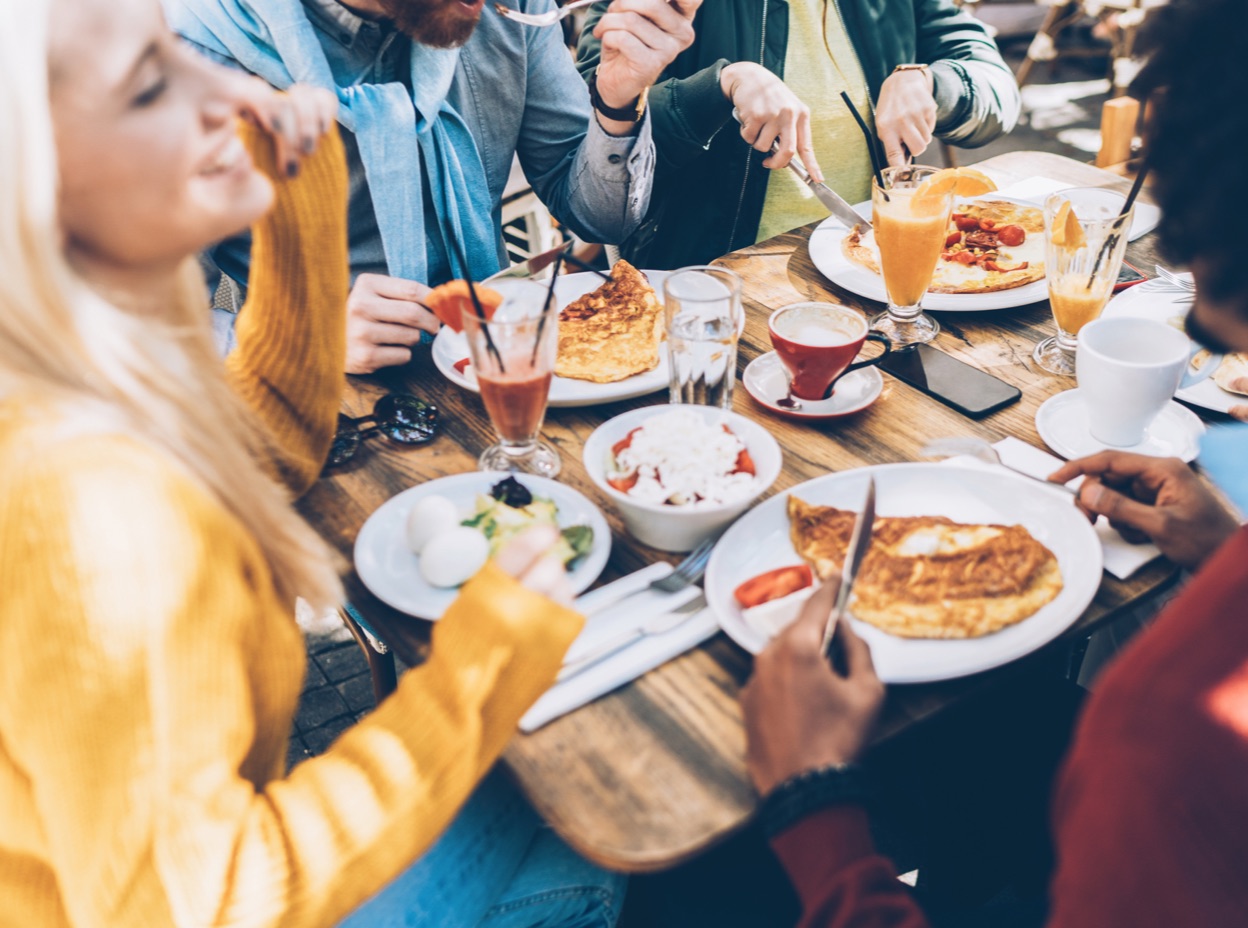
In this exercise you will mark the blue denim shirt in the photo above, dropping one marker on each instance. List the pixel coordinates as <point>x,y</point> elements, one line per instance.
<point>520,95</point>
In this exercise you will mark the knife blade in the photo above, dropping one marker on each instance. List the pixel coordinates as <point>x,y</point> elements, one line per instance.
<point>534,265</point>
<point>859,542</point>
<point>832,201</point>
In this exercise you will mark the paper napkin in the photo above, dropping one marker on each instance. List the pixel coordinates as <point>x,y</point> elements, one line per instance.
<point>608,614</point>
<point>1036,189</point>
<point>1122,558</point>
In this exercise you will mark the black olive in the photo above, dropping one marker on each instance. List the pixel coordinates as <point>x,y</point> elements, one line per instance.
<point>512,492</point>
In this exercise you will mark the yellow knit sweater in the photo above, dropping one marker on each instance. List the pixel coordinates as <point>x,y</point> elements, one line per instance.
<point>149,672</point>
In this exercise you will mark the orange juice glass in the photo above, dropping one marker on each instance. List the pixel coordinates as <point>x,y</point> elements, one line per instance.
<point>911,224</point>
<point>1081,267</point>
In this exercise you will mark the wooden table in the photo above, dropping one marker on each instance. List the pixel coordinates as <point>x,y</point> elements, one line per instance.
<point>654,773</point>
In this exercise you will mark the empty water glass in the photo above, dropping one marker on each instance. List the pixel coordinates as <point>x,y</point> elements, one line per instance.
<point>704,321</point>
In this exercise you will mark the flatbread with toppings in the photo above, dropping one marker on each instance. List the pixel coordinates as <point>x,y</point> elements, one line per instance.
<point>928,576</point>
<point>612,333</point>
<point>1232,373</point>
<point>992,245</point>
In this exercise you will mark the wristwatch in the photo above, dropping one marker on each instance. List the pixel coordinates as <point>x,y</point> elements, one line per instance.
<point>631,113</point>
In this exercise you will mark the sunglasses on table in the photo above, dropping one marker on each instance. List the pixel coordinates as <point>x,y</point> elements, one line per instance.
<point>399,417</point>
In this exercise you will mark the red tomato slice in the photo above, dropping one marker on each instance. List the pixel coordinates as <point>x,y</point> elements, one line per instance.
<point>623,484</point>
<point>745,463</point>
<point>624,442</point>
<point>774,584</point>
<point>462,364</point>
<point>966,223</point>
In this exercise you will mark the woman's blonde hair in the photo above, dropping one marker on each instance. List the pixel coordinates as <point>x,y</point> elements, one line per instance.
<point>157,379</point>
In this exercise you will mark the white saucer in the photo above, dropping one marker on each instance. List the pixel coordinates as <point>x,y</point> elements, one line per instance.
<point>767,381</point>
<point>1063,424</point>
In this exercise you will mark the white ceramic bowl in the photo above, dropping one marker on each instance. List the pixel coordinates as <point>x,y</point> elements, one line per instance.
<point>680,528</point>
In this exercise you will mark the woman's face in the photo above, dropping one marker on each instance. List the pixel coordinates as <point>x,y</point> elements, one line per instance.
<point>151,167</point>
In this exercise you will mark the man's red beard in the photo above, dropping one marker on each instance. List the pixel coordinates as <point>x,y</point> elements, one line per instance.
<point>438,23</point>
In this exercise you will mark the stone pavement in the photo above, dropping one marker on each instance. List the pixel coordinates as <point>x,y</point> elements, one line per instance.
<point>338,691</point>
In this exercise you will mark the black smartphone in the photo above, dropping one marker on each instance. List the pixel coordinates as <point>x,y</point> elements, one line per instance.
<point>955,383</point>
<point>1128,276</point>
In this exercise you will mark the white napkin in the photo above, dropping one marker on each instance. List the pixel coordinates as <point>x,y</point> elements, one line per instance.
<point>608,617</point>
<point>1122,559</point>
<point>1036,189</point>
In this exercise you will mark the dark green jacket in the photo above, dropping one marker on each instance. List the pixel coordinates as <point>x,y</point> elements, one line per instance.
<point>710,186</point>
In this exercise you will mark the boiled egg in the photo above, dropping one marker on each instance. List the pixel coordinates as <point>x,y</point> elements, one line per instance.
<point>452,556</point>
<point>431,516</point>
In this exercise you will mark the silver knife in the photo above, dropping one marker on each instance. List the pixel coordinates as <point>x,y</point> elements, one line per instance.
<point>859,542</point>
<point>534,265</point>
<point>832,201</point>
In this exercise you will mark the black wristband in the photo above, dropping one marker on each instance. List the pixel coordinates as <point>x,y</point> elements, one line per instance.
<point>630,113</point>
<point>808,792</point>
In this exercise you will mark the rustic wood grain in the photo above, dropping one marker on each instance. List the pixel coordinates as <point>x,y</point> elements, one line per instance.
<point>654,773</point>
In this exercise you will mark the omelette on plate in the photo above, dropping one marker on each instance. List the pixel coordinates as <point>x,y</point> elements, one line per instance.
<point>612,333</point>
<point>928,576</point>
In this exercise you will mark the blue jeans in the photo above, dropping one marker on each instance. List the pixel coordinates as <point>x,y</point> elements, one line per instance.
<point>497,866</point>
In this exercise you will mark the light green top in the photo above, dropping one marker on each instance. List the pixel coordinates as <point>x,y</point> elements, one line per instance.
<point>817,73</point>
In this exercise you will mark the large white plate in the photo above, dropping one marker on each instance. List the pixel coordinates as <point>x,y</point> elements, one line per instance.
<point>825,252</point>
<point>450,347</point>
<point>759,541</point>
<point>1164,307</point>
<point>392,573</point>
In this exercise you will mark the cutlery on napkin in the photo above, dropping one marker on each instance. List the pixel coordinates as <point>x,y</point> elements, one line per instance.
<point>608,615</point>
<point>1122,558</point>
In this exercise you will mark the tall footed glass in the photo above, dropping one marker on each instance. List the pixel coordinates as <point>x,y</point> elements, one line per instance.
<point>910,213</point>
<point>513,354</point>
<point>1085,237</point>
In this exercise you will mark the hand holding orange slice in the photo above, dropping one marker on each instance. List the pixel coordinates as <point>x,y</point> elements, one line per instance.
<point>452,299</point>
<point>962,182</point>
<point>1067,233</point>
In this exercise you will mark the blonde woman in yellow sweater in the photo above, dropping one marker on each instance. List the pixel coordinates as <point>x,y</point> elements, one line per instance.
<point>150,665</point>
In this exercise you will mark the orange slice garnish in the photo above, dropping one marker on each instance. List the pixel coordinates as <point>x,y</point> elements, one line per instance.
<point>1067,233</point>
<point>962,182</point>
<point>452,299</point>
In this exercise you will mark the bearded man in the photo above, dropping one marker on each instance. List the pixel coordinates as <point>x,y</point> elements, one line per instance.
<point>436,100</point>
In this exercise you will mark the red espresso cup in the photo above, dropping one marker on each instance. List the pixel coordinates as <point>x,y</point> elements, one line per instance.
<point>817,344</point>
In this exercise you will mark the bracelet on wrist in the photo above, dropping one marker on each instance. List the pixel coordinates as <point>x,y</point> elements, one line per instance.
<point>631,113</point>
<point>810,791</point>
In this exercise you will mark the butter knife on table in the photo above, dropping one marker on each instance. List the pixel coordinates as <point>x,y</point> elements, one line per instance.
<point>831,200</point>
<point>859,542</point>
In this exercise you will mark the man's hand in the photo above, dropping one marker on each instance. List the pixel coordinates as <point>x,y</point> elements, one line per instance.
<point>1239,385</point>
<point>770,111</point>
<point>905,116</point>
<point>639,39</point>
<point>384,319</point>
<point>1155,499</point>
<point>799,713</point>
<point>530,558</point>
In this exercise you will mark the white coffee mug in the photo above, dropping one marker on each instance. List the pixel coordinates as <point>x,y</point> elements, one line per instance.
<point>1128,369</point>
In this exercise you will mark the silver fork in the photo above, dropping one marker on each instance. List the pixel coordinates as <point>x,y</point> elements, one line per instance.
<point>540,19</point>
<point>1175,280</point>
<point>687,572</point>
<point>978,448</point>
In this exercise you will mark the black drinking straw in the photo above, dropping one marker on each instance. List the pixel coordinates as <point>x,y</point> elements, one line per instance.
<point>550,296</point>
<point>577,262</point>
<point>1112,241</point>
<point>866,134</point>
<point>476,301</point>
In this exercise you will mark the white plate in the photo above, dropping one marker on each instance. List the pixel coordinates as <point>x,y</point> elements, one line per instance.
<point>1062,422</point>
<point>1163,306</point>
<point>392,573</point>
<point>759,541</point>
<point>825,252</point>
<point>766,380</point>
<point>449,347</point>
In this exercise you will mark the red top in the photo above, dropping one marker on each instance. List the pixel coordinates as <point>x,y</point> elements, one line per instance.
<point>1151,810</point>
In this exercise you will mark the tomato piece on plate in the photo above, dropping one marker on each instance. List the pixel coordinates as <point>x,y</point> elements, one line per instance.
<point>966,224</point>
<point>462,364</point>
<point>745,463</point>
<point>624,442</point>
<point>623,484</point>
<point>773,585</point>
<point>1011,235</point>
<point>952,239</point>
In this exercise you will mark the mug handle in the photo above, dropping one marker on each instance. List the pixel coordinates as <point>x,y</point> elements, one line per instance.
<point>858,365</point>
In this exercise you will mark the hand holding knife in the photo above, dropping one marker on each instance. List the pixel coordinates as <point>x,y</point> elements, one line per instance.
<point>859,542</point>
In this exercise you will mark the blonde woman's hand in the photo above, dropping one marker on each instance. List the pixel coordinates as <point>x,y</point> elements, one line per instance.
<point>529,558</point>
<point>905,116</point>
<point>297,119</point>
<point>770,112</point>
